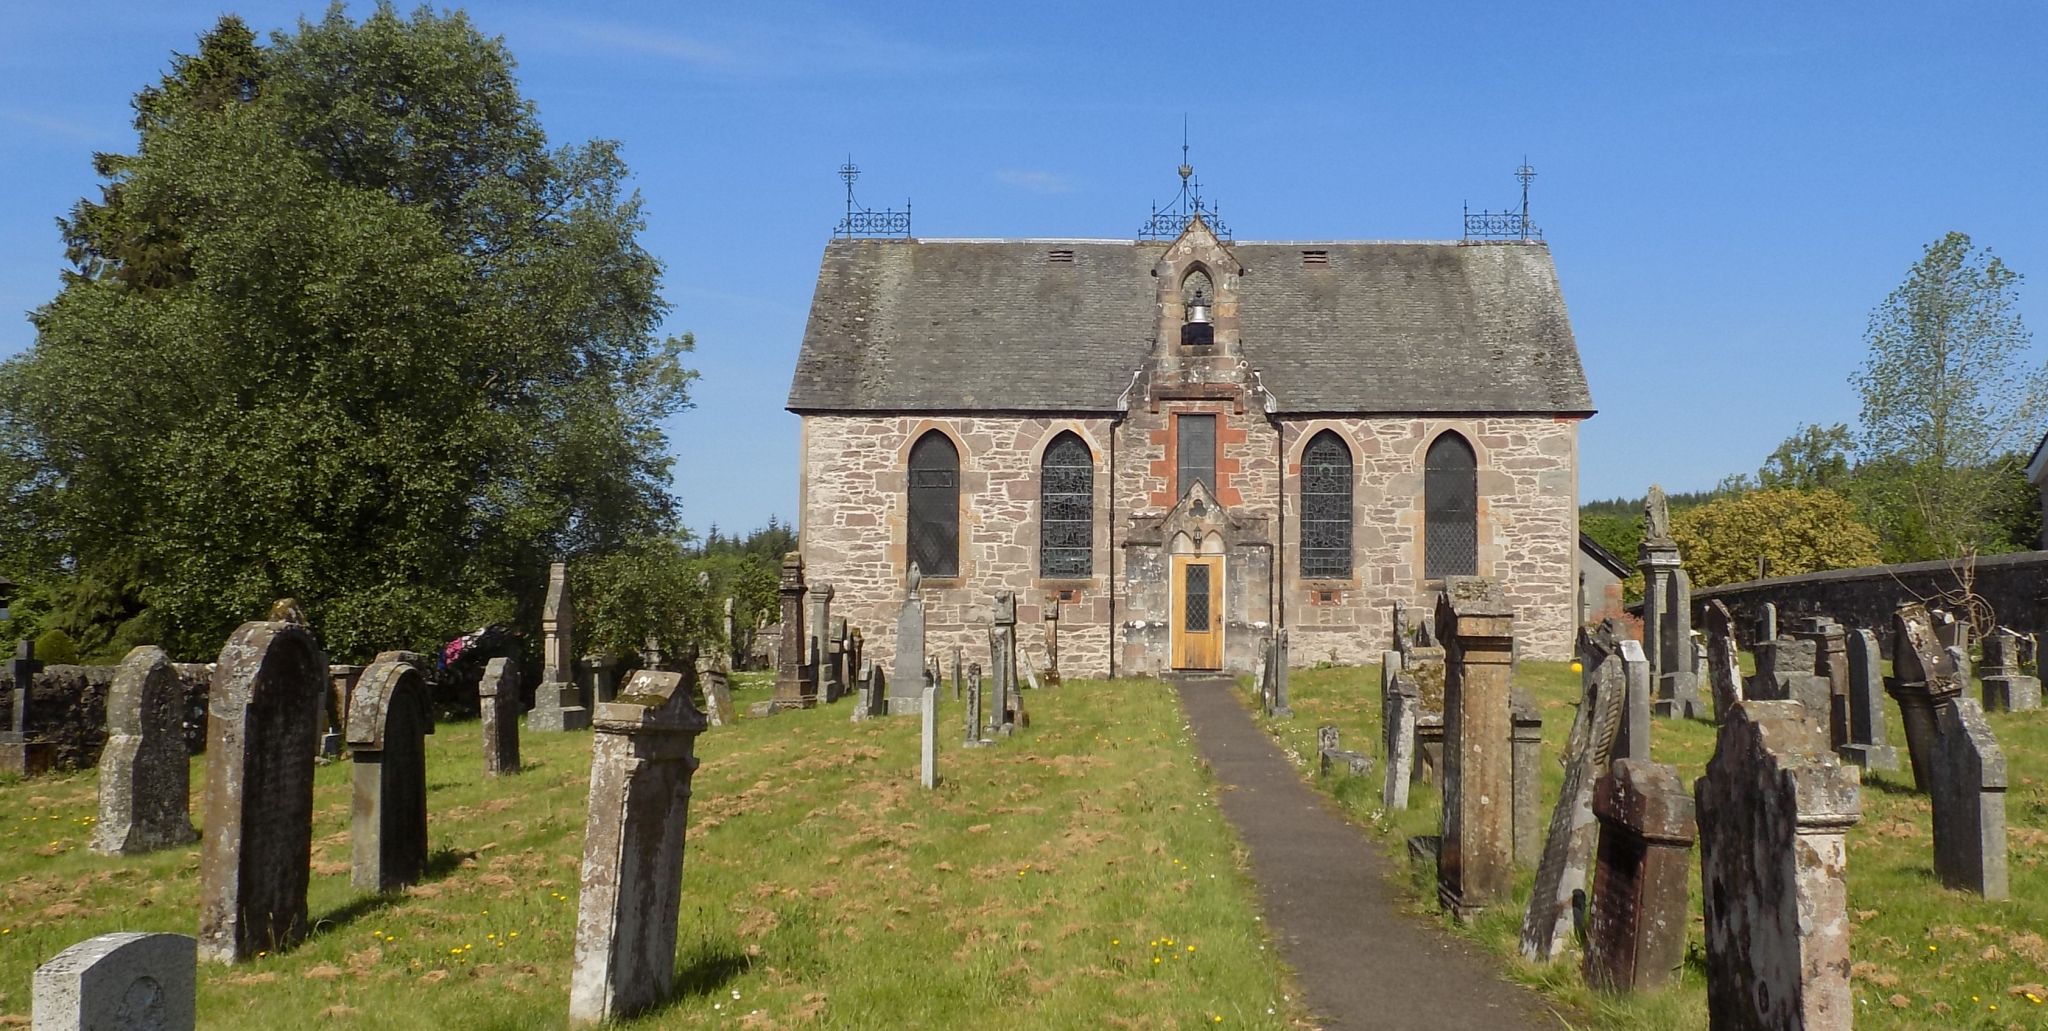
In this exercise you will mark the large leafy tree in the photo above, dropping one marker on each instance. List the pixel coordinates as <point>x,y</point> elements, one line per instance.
<point>1790,531</point>
<point>1946,390</point>
<point>344,327</point>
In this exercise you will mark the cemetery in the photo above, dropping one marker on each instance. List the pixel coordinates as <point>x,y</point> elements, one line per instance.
<point>377,658</point>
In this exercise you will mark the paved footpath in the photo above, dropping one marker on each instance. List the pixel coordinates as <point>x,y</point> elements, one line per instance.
<point>1327,898</point>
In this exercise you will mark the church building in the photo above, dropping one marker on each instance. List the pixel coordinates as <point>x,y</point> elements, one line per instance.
<point>1186,442</point>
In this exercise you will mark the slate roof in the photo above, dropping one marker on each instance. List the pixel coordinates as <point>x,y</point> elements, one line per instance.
<point>952,325</point>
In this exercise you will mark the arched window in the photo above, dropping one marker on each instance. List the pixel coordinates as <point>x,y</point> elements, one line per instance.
<point>1066,508</point>
<point>1450,509</point>
<point>1326,508</point>
<point>935,505</point>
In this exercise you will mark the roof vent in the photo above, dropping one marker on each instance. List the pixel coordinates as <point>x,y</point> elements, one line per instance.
<point>1315,257</point>
<point>1060,255</point>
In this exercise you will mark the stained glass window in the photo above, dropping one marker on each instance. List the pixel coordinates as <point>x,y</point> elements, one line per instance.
<point>1326,508</point>
<point>935,505</point>
<point>1450,509</point>
<point>1066,508</point>
<point>1194,451</point>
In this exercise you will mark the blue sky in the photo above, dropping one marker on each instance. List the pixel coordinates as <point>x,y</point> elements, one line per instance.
<point>1728,189</point>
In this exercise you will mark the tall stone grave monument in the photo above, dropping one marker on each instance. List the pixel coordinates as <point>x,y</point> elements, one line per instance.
<point>1866,747</point>
<point>1788,669</point>
<point>928,715</point>
<point>389,719</point>
<point>907,678</point>
<point>820,644</point>
<point>557,702</point>
<point>1969,801</point>
<point>2007,688</point>
<point>974,736</point>
<point>256,856</point>
<point>1002,648</point>
<point>144,773</point>
<point>1830,663</point>
<point>640,768</point>
<point>794,686</point>
<point>1774,810</point>
<point>1476,864</point>
<point>125,981</point>
<point>602,670</point>
<point>1562,873</point>
<point>1635,727</point>
<point>1924,680</point>
<point>1404,708</point>
<point>1636,937</point>
<point>1667,613</point>
<point>498,693</point>
<point>1526,746</point>
<point>1724,658</point>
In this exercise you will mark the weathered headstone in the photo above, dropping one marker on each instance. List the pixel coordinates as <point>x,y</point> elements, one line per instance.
<point>1403,709</point>
<point>819,646</point>
<point>498,693</point>
<point>1475,867</point>
<point>1924,679</point>
<point>1830,663</point>
<point>730,656</point>
<point>959,673</point>
<point>1330,755</point>
<point>1667,614</point>
<point>557,701</point>
<point>974,736</point>
<point>1969,801</point>
<point>341,686</point>
<point>908,676</point>
<point>1787,669</point>
<point>2007,688</point>
<point>1635,727</point>
<point>602,669</point>
<point>1866,747</point>
<point>717,698</point>
<point>1404,636</point>
<point>632,881</point>
<point>1766,623</point>
<point>928,717</point>
<point>388,720</point>
<point>1002,647</point>
<point>794,688</point>
<point>1429,747</point>
<point>1281,660</point>
<point>125,981</point>
<point>1724,658</point>
<point>256,856</point>
<point>20,753</point>
<point>144,773</point>
<point>1526,746</point>
<point>1563,872</point>
<point>1774,809</point>
<point>1052,640</point>
<point>1953,634</point>
<point>1635,938</point>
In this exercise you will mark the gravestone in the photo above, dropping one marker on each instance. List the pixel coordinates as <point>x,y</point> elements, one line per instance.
<point>1563,871</point>
<point>794,686</point>
<point>819,647</point>
<point>1475,866</point>
<point>1002,648</point>
<point>1787,670</point>
<point>1635,939</point>
<point>341,686</point>
<point>1953,634</point>
<point>125,981</point>
<point>1635,728</point>
<point>1866,747</point>
<point>910,657</point>
<point>145,775</point>
<point>20,754</point>
<point>717,698</point>
<point>1830,663</point>
<point>498,692</point>
<point>256,856</point>
<point>1969,801</point>
<point>1724,658</point>
<point>1281,659</point>
<point>1403,709</point>
<point>1404,636</point>
<point>1052,640</point>
<point>1329,755</point>
<point>856,656</point>
<point>833,681</point>
<point>974,736</point>
<point>1766,623</point>
<point>1390,666</point>
<point>602,670</point>
<point>632,880</point>
<point>1429,748</point>
<point>959,683</point>
<point>557,702</point>
<point>1667,614</point>
<point>1526,755</point>
<point>2007,688</point>
<point>730,656</point>
<point>1774,809</point>
<point>389,718</point>
<point>1923,680</point>
<point>928,715</point>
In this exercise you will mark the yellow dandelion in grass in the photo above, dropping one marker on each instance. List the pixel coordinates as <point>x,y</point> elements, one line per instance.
<point>1932,948</point>
<point>1576,667</point>
<point>1191,948</point>
<point>1155,961</point>
<point>515,934</point>
<point>455,952</point>
<point>492,935</point>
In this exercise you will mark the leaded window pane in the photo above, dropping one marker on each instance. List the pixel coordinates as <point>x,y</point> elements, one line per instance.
<point>1326,508</point>
<point>1450,509</point>
<point>1195,619</point>
<point>1195,452</point>
<point>935,505</point>
<point>1066,509</point>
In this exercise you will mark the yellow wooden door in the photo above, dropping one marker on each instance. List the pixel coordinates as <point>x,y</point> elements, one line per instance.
<point>1197,612</point>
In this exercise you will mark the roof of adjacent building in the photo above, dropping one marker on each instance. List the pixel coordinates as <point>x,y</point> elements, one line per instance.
<point>1598,552</point>
<point>1407,327</point>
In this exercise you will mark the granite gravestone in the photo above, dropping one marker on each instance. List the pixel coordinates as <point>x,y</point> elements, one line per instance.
<point>125,981</point>
<point>1526,755</point>
<point>1774,808</point>
<point>498,693</point>
<point>1866,747</point>
<point>1404,708</point>
<point>1475,866</point>
<point>1667,614</point>
<point>256,856</point>
<point>557,702</point>
<point>908,675</point>
<point>389,718</point>
<point>794,686</point>
<point>1724,658</point>
<point>1635,939</point>
<point>1968,793</point>
<point>928,716</point>
<point>145,776</point>
<point>1831,664</point>
<point>2007,687</point>
<point>1924,679</point>
<point>1635,728</point>
<point>632,879</point>
<point>974,735</point>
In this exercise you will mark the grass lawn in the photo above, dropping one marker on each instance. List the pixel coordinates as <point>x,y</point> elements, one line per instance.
<point>1077,875</point>
<point>1924,956</point>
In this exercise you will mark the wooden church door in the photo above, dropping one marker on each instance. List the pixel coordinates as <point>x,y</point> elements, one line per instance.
<point>1197,612</point>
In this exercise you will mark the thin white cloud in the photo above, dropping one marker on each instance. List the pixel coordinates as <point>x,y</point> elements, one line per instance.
<point>777,50</point>
<point>1032,180</point>
<point>54,126</point>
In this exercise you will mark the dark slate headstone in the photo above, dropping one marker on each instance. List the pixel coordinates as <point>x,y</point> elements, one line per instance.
<point>1867,747</point>
<point>388,722</point>
<point>498,692</point>
<point>256,857</point>
<point>1636,936</point>
<point>126,981</point>
<point>1969,802</point>
<point>145,776</point>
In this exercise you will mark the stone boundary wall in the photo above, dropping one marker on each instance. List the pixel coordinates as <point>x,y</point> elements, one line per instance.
<point>67,705</point>
<point>2016,586</point>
